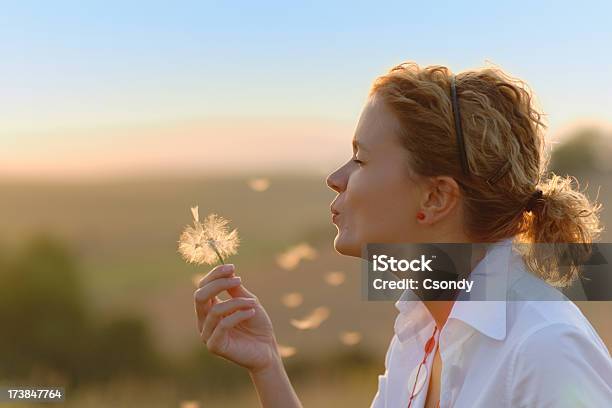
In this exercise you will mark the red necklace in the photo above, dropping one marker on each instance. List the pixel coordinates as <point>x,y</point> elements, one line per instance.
<point>429,347</point>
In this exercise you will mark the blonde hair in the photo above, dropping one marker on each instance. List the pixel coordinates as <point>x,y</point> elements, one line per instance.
<point>507,160</point>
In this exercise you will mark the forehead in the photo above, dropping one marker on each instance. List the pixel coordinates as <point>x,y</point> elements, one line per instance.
<point>377,125</point>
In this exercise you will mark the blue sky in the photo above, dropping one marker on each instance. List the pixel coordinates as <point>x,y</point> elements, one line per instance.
<point>73,67</point>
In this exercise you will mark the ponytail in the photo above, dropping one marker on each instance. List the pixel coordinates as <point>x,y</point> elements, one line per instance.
<point>563,216</point>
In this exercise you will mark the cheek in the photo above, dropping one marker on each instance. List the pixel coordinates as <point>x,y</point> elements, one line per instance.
<point>361,193</point>
<point>381,203</point>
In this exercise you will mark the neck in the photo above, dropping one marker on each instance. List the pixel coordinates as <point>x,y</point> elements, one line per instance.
<point>441,309</point>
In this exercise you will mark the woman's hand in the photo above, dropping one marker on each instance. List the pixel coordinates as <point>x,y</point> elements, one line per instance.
<point>238,328</point>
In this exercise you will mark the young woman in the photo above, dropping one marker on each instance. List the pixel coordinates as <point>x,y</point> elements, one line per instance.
<point>438,158</point>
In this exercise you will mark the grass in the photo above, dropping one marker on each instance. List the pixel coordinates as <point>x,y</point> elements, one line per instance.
<point>124,235</point>
<point>353,390</point>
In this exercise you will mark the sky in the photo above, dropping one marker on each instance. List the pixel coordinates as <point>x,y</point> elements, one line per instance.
<point>97,89</point>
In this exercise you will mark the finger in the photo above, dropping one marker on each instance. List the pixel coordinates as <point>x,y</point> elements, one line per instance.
<point>216,340</point>
<point>241,291</point>
<point>202,311</point>
<point>215,287</point>
<point>222,271</point>
<point>220,310</point>
<point>219,271</point>
<point>204,295</point>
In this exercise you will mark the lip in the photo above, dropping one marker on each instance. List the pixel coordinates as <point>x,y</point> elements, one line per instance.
<point>334,212</point>
<point>334,217</point>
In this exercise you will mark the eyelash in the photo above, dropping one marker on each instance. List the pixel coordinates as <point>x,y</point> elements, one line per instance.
<point>359,162</point>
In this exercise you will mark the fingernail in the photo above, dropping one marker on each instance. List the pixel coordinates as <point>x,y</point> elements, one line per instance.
<point>228,267</point>
<point>235,279</point>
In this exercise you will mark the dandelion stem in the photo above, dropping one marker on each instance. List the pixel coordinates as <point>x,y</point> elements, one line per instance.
<point>214,247</point>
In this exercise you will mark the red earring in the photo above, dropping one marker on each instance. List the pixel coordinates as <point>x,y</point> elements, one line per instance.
<point>420,215</point>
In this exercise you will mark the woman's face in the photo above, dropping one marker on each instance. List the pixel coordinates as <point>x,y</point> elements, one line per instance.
<point>377,201</point>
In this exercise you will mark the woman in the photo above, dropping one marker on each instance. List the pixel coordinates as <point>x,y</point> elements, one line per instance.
<point>438,158</point>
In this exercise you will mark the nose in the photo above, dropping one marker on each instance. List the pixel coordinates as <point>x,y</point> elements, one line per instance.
<point>337,180</point>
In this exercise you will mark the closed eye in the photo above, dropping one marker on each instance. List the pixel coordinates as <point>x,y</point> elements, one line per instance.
<point>359,162</point>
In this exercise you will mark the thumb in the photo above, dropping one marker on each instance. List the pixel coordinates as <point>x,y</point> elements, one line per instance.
<point>240,291</point>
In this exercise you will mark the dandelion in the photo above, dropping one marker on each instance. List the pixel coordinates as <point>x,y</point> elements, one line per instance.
<point>207,241</point>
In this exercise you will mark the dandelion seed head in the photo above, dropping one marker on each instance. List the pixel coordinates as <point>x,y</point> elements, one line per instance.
<point>203,242</point>
<point>195,214</point>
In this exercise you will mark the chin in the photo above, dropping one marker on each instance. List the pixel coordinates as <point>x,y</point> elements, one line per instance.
<point>345,247</point>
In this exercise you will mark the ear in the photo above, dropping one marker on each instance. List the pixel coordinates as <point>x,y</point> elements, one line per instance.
<point>440,198</point>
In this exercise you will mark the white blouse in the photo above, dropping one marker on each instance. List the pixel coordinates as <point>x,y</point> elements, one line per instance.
<point>523,353</point>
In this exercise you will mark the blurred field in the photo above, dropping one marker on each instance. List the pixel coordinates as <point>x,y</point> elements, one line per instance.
<point>350,390</point>
<point>124,235</point>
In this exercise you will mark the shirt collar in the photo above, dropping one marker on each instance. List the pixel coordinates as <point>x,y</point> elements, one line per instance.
<point>488,317</point>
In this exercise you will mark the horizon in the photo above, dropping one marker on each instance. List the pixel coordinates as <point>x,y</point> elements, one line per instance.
<point>92,91</point>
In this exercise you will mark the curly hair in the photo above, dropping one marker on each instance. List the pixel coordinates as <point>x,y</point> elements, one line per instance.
<point>504,142</point>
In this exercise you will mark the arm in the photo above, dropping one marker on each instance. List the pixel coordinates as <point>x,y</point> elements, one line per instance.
<point>240,330</point>
<point>274,388</point>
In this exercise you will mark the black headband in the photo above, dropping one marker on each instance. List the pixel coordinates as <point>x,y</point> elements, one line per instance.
<point>501,172</point>
<point>458,128</point>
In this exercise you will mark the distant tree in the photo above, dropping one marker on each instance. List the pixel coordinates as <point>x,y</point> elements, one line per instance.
<point>42,311</point>
<point>579,153</point>
<point>46,323</point>
<point>123,347</point>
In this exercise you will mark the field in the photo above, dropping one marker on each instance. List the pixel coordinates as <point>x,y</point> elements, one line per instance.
<point>124,233</point>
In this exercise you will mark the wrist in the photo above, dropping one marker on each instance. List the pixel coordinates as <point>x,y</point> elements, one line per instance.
<point>274,366</point>
<point>273,385</point>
